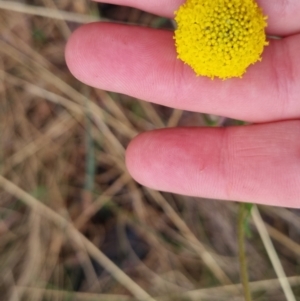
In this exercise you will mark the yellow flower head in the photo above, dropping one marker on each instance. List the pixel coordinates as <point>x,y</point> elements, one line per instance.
<point>220,37</point>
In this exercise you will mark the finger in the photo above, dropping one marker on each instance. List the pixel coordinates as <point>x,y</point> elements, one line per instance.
<point>142,63</point>
<point>283,16</point>
<point>257,163</point>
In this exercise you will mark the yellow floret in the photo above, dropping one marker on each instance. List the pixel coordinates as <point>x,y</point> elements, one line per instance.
<point>220,37</point>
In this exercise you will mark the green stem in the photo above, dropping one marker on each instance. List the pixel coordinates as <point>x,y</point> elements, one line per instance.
<point>242,252</point>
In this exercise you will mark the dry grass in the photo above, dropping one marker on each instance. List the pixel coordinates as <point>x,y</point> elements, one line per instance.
<point>74,225</point>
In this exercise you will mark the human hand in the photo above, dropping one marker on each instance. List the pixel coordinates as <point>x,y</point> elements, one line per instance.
<point>257,163</point>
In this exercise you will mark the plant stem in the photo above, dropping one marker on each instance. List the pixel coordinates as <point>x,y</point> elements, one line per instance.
<point>242,252</point>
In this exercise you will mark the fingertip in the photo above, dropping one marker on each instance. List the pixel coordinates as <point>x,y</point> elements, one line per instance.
<point>82,52</point>
<point>134,158</point>
<point>76,52</point>
<point>71,50</point>
<point>167,159</point>
<point>152,158</point>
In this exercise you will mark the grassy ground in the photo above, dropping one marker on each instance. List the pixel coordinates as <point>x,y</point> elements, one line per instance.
<point>73,223</point>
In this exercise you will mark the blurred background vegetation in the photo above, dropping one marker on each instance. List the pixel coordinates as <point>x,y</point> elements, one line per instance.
<point>72,221</point>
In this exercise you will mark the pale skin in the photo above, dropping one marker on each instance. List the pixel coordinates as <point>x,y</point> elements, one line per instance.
<point>258,163</point>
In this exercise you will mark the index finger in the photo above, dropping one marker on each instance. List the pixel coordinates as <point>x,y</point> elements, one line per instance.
<point>283,16</point>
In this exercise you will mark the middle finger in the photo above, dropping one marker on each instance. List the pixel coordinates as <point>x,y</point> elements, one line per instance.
<point>142,63</point>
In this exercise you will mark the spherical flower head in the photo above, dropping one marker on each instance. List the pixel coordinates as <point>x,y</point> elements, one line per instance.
<point>220,37</point>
